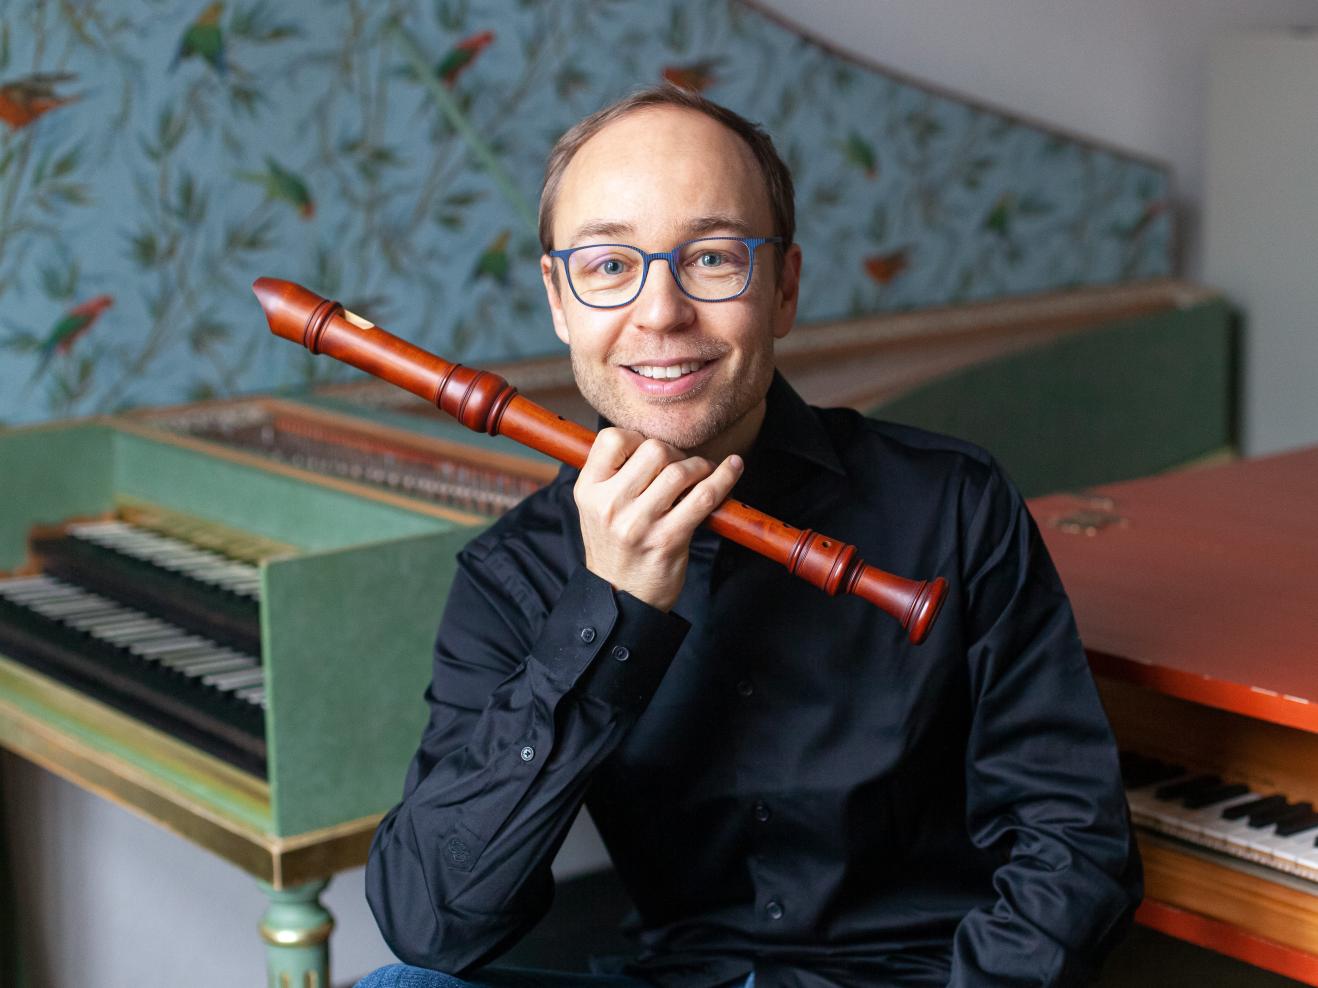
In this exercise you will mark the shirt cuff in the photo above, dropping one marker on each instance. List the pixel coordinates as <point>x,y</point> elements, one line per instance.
<point>607,644</point>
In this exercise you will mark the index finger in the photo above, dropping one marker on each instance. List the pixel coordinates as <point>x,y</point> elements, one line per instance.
<point>612,448</point>
<point>703,498</point>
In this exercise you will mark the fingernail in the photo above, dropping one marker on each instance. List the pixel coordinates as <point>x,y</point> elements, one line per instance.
<point>735,461</point>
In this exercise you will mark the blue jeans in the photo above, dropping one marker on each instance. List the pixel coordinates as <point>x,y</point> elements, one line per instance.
<point>403,976</point>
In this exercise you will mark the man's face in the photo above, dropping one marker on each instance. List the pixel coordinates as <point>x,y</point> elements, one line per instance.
<point>653,179</point>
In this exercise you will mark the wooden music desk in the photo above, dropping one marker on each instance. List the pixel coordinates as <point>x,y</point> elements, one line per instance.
<point>1196,595</point>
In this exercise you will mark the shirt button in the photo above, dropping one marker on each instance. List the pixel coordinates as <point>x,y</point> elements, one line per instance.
<point>620,653</point>
<point>528,753</point>
<point>762,811</point>
<point>774,909</point>
<point>587,635</point>
<point>745,687</point>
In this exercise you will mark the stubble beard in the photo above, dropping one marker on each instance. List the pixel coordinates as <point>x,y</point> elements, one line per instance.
<point>726,405</point>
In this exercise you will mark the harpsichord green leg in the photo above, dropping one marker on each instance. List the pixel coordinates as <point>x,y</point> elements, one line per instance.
<point>296,930</point>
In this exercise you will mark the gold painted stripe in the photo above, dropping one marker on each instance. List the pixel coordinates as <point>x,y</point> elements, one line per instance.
<point>31,697</point>
<point>202,532</point>
<point>167,782</point>
<point>298,938</point>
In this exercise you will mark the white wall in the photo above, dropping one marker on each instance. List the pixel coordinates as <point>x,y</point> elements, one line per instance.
<point>1261,225</point>
<point>107,900</point>
<point>110,901</point>
<point>1132,73</point>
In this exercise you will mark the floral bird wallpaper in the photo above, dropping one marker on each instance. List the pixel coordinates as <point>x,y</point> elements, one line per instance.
<point>158,155</point>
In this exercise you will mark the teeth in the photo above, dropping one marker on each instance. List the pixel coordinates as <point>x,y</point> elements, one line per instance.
<point>669,373</point>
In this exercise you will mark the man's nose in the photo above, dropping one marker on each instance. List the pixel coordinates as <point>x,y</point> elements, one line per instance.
<point>662,306</point>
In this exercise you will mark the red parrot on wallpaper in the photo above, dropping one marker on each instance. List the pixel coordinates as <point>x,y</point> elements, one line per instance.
<point>23,100</point>
<point>68,329</point>
<point>884,268</point>
<point>697,77</point>
<point>461,55</point>
<point>1151,211</point>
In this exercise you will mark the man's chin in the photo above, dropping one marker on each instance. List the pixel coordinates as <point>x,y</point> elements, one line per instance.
<point>688,421</point>
<point>683,437</point>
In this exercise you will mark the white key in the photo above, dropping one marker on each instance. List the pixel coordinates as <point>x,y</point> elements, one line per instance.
<point>235,680</point>
<point>141,631</point>
<point>49,592</point>
<point>154,650</point>
<point>205,656</point>
<point>219,665</point>
<point>108,619</point>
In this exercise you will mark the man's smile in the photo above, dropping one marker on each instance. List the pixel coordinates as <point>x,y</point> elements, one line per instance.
<point>667,371</point>
<point>669,378</point>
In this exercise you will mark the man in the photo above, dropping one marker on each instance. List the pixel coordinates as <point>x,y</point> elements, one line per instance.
<point>792,794</point>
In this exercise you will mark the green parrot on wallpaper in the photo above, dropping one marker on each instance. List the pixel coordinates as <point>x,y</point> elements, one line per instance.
<point>998,219</point>
<point>494,262</point>
<point>68,329</point>
<point>203,38</point>
<point>461,55</point>
<point>282,184</point>
<point>861,153</point>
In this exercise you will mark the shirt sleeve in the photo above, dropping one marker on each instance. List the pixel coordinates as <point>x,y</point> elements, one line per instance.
<point>523,707</point>
<point>1042,779</point>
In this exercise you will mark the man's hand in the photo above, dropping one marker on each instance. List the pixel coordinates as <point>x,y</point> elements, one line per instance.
<point>635,521</point>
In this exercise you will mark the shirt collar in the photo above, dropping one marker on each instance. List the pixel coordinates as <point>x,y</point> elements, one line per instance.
<point>791,426</point>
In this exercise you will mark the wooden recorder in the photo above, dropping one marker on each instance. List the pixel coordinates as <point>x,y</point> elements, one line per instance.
<point>485,402</point>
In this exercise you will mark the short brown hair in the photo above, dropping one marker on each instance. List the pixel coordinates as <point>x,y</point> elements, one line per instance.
<point>777,176</point>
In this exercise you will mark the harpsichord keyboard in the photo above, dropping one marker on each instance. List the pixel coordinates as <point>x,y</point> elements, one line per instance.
<point>1223,815</point>
<point>151,623</point>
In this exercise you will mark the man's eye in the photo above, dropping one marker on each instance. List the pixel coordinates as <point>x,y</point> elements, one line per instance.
<point>611,265</point>
<point>710,259</point>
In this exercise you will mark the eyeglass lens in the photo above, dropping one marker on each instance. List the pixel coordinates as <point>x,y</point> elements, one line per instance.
<point>712,270</point>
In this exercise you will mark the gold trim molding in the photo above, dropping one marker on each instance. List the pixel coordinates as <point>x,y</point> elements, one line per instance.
<point>313,937</point>
<point>166,782</point>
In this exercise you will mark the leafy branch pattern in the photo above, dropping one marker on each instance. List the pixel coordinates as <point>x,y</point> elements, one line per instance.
<point>158,155</point>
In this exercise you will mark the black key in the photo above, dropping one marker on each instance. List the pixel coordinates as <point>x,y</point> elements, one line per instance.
<point>1189,787</point>
<point>1236,811</point>
<point>1219,794</point>
<point>176,597</point>
<point>1139,770</point>
<point>184,707</point>
<point>1296,821</point>
<point>1297,826</point>
<point>1267,817</point>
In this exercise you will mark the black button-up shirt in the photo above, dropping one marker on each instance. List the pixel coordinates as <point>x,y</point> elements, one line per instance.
<point>785,784</point>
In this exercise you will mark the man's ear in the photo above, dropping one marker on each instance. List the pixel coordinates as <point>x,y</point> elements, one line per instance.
<point>788,292</point>
<point>554,297</point>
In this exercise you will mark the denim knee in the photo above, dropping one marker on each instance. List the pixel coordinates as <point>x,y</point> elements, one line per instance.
<point>404,976</point>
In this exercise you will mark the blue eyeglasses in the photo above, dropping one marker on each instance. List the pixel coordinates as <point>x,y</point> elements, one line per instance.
<point>711,269</point>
